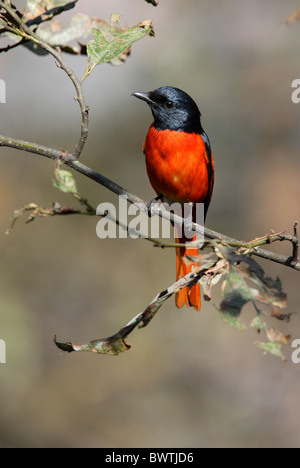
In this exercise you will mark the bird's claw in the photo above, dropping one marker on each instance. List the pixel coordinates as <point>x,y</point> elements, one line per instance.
<point>152,203</point>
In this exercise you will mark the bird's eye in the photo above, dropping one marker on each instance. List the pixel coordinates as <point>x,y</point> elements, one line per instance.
<point>169,104</point>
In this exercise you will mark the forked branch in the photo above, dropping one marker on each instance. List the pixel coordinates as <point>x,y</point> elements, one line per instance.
<point>15,24</point>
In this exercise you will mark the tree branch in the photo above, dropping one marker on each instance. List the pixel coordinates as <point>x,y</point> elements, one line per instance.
<point>245,247</point>
<point>295,257</point>
<point>26,33</point>
<point>116,343</point>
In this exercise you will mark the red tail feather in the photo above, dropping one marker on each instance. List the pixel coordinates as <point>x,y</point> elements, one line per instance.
<point>190,297</point>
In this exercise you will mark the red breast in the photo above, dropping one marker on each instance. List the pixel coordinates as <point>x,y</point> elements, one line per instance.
<point>177,165</point>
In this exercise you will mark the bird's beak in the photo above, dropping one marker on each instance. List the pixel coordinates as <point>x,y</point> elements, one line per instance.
<point>144,97</point>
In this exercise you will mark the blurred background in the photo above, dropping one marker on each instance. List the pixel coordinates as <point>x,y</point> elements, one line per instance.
<point>189,380</point>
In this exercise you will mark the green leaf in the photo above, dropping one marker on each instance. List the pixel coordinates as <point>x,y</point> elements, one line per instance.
<point>255,273</point>
<point>207,283</point>
<point>114,345</point>
<point>273,347</point>
<point>258,323</point>
<point>64,181</point>
<point>233,321</point>
<point>104,49</point>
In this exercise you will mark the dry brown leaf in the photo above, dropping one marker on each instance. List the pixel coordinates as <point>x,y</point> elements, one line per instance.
<point>275,335</point>
<point>294,17</point>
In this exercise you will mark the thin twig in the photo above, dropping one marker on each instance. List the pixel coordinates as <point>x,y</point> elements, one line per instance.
<point>13,46</point>
<point>295,254</point>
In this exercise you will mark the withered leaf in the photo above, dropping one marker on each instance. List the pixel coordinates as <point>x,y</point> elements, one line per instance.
<point>37,8</point>
<point>277,313</point>
<point>236,293</point>
<point>295,16</point>
<point>113,345</point>
<point>275,335</point>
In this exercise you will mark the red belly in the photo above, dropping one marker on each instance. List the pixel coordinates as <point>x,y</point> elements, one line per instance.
<point>177,165</point>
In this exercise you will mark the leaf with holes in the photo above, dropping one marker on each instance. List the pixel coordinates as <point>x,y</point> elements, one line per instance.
<point>105,49</point>
<point>79,29</point>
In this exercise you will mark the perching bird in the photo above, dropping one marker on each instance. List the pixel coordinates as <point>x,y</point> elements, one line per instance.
<point>180,166</point>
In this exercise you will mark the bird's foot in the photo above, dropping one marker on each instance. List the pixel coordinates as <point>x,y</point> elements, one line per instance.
<point>153,202</point>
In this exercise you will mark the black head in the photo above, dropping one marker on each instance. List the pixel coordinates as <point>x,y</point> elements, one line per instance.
<point>173,109</point>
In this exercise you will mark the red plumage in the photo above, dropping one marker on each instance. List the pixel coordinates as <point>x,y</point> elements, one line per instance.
<point>177,165</point>
<point>180,167</point>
